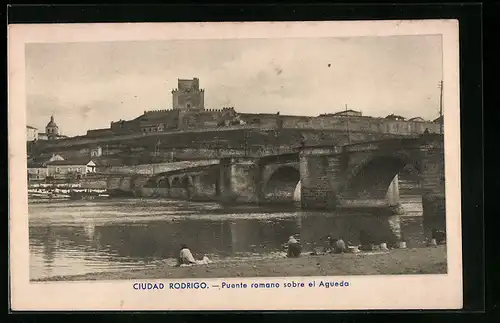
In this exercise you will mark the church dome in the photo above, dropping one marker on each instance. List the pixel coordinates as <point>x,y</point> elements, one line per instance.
<point>51,123</point>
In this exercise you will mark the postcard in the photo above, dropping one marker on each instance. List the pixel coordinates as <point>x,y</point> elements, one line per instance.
<point>235,166</point>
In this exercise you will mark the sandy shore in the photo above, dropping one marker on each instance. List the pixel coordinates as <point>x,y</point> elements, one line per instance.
<point>430,260</point>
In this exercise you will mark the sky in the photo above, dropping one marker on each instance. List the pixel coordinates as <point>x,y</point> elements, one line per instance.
<point>88,85</point>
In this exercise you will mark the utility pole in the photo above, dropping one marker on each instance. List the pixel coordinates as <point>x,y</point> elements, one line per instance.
<point>441,119</point>
<point>245,143</point>
<point>347,126</point>
<point>156,153</point>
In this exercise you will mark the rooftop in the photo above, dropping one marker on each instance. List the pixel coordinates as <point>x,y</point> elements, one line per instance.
<point>51,122</point>
<point>345,111</point>
<point>395,117</point>
<point>79,162</point>
<point>34,164</point>
<point>438,119</point>
<point>43,158</point>
<point>108,161</point>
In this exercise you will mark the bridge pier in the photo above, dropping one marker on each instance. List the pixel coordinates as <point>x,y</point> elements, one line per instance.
<point>434,213</point>
<point>121,185</point>
<point>433,185</point>
<point>240,180</point>
<point>320,175</point>
<point>203,188</point>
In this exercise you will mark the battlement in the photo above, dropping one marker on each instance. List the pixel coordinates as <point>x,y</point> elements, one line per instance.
<point>156,111</point>
<point>176,90</point>
<point>223,109</point>
<point>119,122</point>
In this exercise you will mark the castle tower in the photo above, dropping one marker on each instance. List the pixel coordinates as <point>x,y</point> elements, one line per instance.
<point>188,96</point>
<point>52,130</point>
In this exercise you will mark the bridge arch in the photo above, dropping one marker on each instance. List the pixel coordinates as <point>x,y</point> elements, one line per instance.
<point>176,182</point>
<point>163,183</point>
<point>372,177</point>
<point>186,181</point>
<point>282,185</point>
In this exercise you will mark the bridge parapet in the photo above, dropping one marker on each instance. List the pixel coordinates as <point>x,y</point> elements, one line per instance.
<point>195,170</point>
<point>413,142</point>
<point>320,150</point>
<point>151,169</point>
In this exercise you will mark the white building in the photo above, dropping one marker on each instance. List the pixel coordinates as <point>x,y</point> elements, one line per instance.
<point>70,169</point>
<point>37,171</point>
<point>31,133</point>
<point>37,167</point>
<point>96,151</point>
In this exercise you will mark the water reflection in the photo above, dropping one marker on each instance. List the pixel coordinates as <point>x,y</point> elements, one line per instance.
<point>79,237</point>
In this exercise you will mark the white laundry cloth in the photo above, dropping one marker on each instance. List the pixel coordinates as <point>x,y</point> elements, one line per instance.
<point>187,257</point>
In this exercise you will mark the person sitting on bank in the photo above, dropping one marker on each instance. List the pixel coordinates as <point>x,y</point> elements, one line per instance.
<point>186,258</point>
<point>439,235</point>
<point>294,248</point>
<point>366,241</point>
<point>330,244</point>
<point>340,246</point>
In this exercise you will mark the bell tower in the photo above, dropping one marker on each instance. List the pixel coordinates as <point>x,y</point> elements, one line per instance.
<point>188,96</point>
<point>52,130</point>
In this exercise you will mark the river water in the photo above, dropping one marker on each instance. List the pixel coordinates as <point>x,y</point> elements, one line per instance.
<point>78,237</point>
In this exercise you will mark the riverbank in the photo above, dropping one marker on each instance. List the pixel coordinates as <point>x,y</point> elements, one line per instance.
<point>428,260</point>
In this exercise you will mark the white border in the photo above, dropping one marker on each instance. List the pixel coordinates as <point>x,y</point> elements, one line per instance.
<point>365,292</point>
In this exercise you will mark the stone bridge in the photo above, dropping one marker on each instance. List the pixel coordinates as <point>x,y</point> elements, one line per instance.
<point>357,176</point>
<point>367,172</point>
<point>362,175</point>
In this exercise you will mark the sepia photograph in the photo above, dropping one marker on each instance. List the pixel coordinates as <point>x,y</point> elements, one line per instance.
<point>191,159</point>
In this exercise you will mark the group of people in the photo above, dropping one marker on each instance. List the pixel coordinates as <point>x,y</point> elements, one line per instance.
<point>338,245</point>
<point>294,249</point>
<point>334,245</point>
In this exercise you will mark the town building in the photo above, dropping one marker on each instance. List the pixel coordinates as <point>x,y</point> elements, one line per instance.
<point>345,113</point>
<point>31,133</point>
<point>70,168</point>
<point>440,122</point>
<point>37,171</point>
<point>37,167</point>
<point>43,136</point>
<point>417,119</point>
<point>393,116</point>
